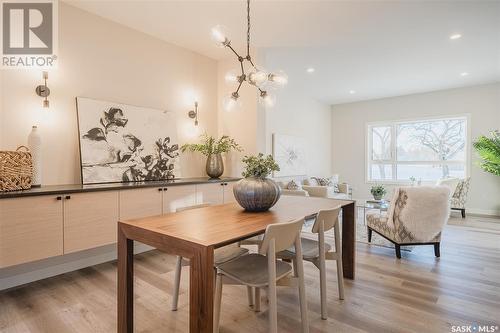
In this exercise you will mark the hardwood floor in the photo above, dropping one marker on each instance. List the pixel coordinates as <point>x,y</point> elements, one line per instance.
<point>419,293</point>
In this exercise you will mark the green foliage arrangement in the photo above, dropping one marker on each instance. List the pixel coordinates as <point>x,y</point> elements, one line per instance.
<point>210,145</point>
<point>378,190</point>
<point>259,166</point>
<point>489,150</point>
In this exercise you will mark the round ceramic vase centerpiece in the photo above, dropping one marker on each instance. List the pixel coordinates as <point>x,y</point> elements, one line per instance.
<point>256,192</point>
<point>213,149</point>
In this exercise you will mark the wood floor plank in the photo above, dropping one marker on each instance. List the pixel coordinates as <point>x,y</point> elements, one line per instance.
<point>419,293</point>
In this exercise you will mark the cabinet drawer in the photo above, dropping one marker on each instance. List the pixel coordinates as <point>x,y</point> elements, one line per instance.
<point>30,229</point>
<point>90,220</point>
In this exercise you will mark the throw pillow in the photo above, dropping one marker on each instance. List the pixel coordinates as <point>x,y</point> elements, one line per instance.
<point>323,181</point>
<point>292,185</point>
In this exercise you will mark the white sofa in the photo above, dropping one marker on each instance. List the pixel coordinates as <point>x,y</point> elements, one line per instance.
<point>308,186</point>
<point>341,191</point>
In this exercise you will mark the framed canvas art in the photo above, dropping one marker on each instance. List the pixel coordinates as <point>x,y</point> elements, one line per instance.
<point>290,154</point>
<point>123,143</point>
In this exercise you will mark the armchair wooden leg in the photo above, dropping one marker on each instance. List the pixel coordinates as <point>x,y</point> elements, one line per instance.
<point>463,213</point>
<point>369,234</point>
<point>437,251</point>
<point>398,250</point>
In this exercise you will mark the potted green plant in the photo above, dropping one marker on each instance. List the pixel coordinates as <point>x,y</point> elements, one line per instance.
<point>378,192</point>
<point>488,149</point>
<point>213,148</point>
<point>256,192</point>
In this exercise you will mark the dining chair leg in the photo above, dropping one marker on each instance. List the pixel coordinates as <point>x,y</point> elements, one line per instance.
<point>302,287</point>
<point>322,272</point>
<point>250,296</point>
<point>217,302</point>
<point>177,283</point>
<point>294,261</point>
<point>257,300</point>
<point>271,291</point>
<point>340,270</point>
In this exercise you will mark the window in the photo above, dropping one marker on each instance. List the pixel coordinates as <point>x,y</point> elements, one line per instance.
<point>427,150</point>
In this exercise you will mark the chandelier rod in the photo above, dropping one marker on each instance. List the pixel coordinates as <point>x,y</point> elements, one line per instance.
<point>248,29</point>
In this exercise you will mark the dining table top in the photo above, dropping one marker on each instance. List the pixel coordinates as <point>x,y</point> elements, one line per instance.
<point>219,225</point>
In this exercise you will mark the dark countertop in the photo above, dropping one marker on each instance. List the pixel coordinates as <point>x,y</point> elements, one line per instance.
<point>78,188</point>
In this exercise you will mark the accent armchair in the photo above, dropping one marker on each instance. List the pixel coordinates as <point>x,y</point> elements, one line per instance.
<point>416,217</point>
<point>459,197</point>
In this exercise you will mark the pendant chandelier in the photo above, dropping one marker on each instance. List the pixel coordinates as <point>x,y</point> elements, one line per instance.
<point>254,76</point>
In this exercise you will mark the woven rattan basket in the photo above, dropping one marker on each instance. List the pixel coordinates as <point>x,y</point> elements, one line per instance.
<point>16,169</point>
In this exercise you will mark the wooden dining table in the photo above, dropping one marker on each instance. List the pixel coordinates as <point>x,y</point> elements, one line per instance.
<point>194,234</point>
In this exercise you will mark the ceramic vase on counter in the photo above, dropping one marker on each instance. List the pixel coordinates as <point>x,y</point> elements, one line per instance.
<point>214,166</point>
<point>35,146</point>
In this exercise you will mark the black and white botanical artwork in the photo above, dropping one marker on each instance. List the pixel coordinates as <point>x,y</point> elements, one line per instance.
<point>123,143</point>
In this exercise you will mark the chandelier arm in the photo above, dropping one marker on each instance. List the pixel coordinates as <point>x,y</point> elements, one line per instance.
<point>231,48</point>
<point>239,86</point>
<point>242,69</point>
<point>248,29</point>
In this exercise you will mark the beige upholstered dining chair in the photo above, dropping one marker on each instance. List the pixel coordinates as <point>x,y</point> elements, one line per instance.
<point>221,255</point>
<point>416,216</point>
<point>318,251</point>
<point>262,270</point>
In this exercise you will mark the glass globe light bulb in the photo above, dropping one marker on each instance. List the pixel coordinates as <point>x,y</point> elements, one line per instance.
<point>219,36</point>
<point>232,76</point>
<point>231,102</point>
<point>267,99</point>
<point>279,78</point>
<point>257,77</point>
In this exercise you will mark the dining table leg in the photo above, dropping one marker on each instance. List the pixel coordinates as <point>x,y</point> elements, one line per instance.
<point>348,240</point>
<point>201,290</point>
<point>125,283</point>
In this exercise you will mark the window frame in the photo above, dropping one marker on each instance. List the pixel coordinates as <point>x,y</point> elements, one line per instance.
<point>393,162</point>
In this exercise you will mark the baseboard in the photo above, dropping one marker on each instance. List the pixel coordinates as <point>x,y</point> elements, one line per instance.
<point>489,212</point>
<point>21,274</point>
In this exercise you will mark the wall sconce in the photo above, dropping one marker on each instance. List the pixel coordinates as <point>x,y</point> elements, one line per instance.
<point>44,91</point>
<point>193,114</point>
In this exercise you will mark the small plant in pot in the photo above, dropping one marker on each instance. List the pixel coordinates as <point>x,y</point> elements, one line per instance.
<point>213,148</point>
<point>256,192</point>
<point>378,192</point>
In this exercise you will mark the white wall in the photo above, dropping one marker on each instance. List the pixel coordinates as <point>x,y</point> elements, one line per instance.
<point>348,134</point>
<point>104,60</point>
<point>298,114</point>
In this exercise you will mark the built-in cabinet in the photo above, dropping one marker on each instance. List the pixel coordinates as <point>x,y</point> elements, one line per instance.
<point>38,227</point>
<point>90,220</point>
<point>214,194</point>
<point>141,202</point>
<point>30,229</point>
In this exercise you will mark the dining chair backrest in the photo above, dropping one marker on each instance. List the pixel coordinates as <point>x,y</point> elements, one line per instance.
<point>283,234</point>
<point>181,209</point>
<point>329,217</point>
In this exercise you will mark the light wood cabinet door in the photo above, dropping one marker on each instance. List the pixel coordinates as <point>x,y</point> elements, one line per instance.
<point>30,229</point>
<point>228,192</point>
<point>140,203</point>
<point>90,220</point>
<point>178,196</point>
<point>210,193</point>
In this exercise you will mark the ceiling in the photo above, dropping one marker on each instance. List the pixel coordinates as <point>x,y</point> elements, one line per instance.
<point>376,49</point>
